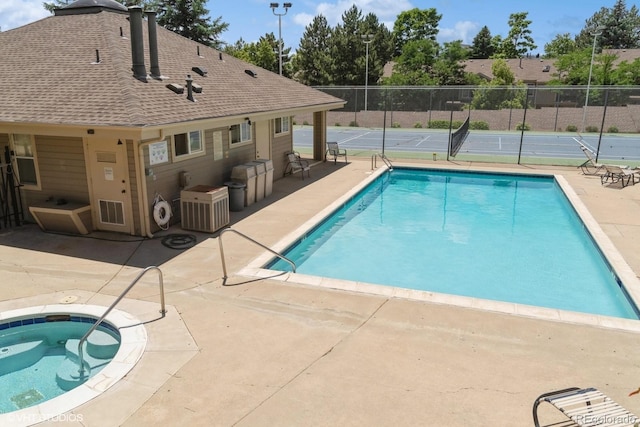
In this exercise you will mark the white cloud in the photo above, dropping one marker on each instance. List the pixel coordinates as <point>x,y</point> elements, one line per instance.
<point>462,30</point>
<point>16,13</point>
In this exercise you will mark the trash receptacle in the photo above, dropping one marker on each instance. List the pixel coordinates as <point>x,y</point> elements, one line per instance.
<point>268,182</point>
<point>236,195</point>
<point>261,175</point>
<point>246,174</point>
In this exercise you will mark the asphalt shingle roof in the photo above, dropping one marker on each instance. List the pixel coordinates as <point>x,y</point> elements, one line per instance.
<point>49,74</point>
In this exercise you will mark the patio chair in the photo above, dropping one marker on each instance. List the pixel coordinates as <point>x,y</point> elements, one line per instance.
<point>586,407</point>
<point>615,174</point>
<point>333,149</point>
<point>590,166</point>
<point>295,164</point>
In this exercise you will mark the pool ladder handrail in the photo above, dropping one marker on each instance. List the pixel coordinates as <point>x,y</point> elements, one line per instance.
<point>224,265</point>
<point>385,159</point>
<point>163,311</point>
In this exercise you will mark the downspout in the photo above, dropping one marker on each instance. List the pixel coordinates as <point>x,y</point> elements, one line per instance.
<point>146,223</point>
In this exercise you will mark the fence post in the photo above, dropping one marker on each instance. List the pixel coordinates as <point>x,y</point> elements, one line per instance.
<point>604,115</point>
<point>524,121</point>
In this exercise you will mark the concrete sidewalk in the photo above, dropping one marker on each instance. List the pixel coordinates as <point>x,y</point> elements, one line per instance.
<point>268,352</point>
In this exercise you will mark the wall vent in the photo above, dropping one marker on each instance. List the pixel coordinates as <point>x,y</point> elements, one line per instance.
<point>251,73</point>
<point>175,88</point>
<point>200,70</point>
<point>111,212</point>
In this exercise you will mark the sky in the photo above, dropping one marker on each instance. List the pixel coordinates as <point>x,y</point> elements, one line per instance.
<point>461,19</point>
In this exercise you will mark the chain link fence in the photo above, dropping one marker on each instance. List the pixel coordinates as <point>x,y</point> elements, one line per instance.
<point>605,118</point>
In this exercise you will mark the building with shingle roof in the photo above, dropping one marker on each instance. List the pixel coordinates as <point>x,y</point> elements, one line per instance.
<point>104,112</point>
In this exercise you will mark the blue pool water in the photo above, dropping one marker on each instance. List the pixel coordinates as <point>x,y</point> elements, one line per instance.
<point>38,357</point>
<point>500,237</point>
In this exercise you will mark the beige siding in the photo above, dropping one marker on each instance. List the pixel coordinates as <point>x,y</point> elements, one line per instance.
<point>134,187</point>
<point>204,170</point>
<point>63,174</point>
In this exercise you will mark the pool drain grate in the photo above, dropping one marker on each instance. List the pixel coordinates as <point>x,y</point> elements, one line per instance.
<point>26,399</point>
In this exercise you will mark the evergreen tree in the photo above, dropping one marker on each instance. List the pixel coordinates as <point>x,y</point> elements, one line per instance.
<point>346,47</point>
<point>619,28</point>
<point>190,19</point>
<point>312,62</point>
<point>482,46</point>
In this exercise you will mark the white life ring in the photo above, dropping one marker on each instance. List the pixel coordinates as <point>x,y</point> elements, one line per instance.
<point>162,213</point>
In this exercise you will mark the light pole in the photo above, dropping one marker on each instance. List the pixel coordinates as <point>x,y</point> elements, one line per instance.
<point>273,7</point>
<point>593,51</point>
<point>366,39</point>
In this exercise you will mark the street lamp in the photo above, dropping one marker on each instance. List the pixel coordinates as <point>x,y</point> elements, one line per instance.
<point>597,33</point>
<point>273,7</point>
<point>366,39</point>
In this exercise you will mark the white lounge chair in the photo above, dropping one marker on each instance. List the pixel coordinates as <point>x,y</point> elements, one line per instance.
<point>590,166</point>
<point>586,407</point>
<point>615,174</point>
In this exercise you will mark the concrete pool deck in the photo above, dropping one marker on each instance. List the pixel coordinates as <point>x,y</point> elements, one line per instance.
<point>272,352</point>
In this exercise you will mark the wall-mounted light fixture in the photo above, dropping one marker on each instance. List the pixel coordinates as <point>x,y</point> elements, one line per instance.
<point>248,120</point>
<point>119,142</point>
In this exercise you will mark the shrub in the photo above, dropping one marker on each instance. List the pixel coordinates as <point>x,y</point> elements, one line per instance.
<point>306,123</point>
<point>572,128</point>
<point>592,129</point>
<point>444,124</point>
<point>523,126</point>
<point>353,124</point>
<point>337,124</point>
<point>395,125</point>
<point>479,125</point>
<point>418,125</point>
<point>612,129</point>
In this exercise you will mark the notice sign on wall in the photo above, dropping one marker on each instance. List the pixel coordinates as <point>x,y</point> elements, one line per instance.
<point>158,153</point>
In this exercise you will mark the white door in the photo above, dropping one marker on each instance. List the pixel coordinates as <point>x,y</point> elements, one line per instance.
<point>111,202</point>
<point>263,140</point>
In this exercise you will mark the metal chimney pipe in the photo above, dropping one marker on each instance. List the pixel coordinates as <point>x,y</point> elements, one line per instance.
<point>137,47</point>
<point>153,45</point>
<point>190,88</point>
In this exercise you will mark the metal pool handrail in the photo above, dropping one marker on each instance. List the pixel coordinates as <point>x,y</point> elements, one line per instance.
<point>163,311</point>
<point>224,266</point>
<point>384,158</point>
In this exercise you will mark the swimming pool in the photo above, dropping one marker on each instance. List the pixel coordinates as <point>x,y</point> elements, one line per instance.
<point>41,339</point>
<point>39,360</point>
<point>513,238</point>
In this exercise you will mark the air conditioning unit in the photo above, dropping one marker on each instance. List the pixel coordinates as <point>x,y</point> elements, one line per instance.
<point>204,208</point>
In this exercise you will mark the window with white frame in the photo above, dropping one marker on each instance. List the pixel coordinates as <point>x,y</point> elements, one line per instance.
<point>239,134</point>
<point>187,144</point>
<point>281,125</point>
<point>24,150</point>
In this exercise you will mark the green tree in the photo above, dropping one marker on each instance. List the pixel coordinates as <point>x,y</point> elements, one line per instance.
<point>627,73</point>
<point>312,62</point>
<point>501,92</point>
<point>482,46</point>
<point>560,45</point>
<point>414,67</point>
<point>448,70</point>
<point>415,24</point>
<point>519,40</point>
<point>346,44</point>
<point>618,27</point>
<point>190,19</point>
